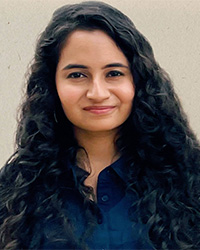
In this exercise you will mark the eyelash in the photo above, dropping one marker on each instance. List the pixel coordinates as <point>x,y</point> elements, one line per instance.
<point>113,73</point>
<point>75,75</point>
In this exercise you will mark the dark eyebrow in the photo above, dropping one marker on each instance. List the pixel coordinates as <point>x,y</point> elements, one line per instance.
<point>73,66</point>
<point>115,65</point>
<point>80,66</point>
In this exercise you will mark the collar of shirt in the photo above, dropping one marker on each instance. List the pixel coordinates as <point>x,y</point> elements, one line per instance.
<point>119,167</point>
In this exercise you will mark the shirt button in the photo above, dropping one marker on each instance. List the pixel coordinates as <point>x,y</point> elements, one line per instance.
<point>105,198</point>
<point>100,220</point>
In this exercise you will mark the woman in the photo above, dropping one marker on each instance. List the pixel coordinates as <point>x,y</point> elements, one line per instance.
<point>105,157</point>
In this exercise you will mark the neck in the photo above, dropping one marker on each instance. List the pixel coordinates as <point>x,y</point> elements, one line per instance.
<point>100,148</point>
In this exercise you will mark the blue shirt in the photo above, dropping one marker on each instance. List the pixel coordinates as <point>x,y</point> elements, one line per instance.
<point>114,230</point>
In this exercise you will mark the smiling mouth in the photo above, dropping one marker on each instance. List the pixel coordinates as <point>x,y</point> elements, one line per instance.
<point>99,109</point>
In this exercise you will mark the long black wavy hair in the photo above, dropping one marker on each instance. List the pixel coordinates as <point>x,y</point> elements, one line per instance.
<point>162,152</point>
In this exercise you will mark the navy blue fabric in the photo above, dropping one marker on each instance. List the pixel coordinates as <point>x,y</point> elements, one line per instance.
<point>114,230</point>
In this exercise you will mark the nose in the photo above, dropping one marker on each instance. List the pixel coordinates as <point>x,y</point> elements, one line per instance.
<point>98,91</point>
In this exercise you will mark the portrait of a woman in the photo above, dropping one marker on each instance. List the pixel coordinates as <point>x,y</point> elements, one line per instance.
<point>105,156</point>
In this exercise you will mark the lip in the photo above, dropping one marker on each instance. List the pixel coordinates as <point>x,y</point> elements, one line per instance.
<point>99,109</point>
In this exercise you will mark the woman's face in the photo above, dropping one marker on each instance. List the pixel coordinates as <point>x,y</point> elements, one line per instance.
<point>94,82</point>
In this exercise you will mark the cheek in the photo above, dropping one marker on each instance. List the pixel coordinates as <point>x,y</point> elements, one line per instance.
<point>127,93</point>
<point>68,102</point>
<point>68,96</point>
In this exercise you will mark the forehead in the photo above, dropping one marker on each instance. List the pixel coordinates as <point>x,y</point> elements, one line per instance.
<point>94,45</point>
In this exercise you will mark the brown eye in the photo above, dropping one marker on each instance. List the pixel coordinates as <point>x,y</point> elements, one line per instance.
<point>76,75</point>
<point>114,73</point>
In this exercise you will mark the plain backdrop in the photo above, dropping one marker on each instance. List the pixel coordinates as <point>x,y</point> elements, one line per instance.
<point>171,26</point>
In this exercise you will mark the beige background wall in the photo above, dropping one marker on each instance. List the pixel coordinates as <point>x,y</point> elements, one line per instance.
<point>172,27</point>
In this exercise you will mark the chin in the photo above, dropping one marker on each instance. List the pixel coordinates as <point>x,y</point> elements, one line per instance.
<point>99,128</point>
